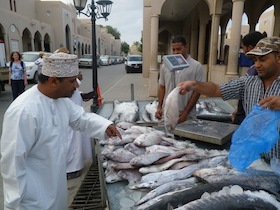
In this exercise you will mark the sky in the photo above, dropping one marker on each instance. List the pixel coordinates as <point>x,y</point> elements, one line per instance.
<point>126,16</point>
<point>245,19</point>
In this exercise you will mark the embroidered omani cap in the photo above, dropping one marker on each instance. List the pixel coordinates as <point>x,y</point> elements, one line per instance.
<point>61,65</point>
<point>266,46</point>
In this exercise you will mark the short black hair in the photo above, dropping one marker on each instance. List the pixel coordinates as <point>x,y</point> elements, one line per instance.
<point>43,78</point>
<point>179,39</point>
<point>252,38</point>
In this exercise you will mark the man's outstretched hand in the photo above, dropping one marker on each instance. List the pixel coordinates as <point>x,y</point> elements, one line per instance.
<point>112,131</point>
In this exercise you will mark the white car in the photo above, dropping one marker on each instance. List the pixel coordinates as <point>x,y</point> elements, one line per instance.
<point>133,64</point>
<point>29,59</point>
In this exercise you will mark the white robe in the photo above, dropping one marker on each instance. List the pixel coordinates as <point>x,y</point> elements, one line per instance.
<point>34,149</point>
<point>79,145</point>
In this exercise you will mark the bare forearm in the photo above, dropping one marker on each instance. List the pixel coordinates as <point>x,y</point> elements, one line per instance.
<point>25,76</point>
<point>204,88</point>
<point>271,102</point>
<point>192,102</point>
<point>161,94</point>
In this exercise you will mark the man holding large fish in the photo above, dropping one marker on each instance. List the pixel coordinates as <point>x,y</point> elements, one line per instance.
<point>195,71</point>
<point>262,89</point>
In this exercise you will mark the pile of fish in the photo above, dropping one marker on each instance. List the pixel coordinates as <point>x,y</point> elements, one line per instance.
<point>212,181</point>
<point>168,169</point>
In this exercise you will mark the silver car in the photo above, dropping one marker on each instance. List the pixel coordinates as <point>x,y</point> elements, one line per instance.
<point>86,60</point>
<point>105,60</point>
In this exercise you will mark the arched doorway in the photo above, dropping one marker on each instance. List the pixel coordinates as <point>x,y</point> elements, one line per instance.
<point>37,41</point>
<point>26,40</point>
<point>47,43</point>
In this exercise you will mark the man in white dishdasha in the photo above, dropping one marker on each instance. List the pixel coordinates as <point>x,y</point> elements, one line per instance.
<point>34,137</point>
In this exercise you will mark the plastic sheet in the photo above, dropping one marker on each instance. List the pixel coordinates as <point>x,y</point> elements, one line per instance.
<point>258,133</point>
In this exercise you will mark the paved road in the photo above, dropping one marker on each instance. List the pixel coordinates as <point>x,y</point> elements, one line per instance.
<point>114,83</point>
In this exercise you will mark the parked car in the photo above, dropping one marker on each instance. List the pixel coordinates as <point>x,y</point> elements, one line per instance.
<point>133,64</point>
<point>119,59</point>
<point>105,60</point>
<point>86,60</point>
<point>29,59</point>
<point>4,77</point>
<point>112,59</point>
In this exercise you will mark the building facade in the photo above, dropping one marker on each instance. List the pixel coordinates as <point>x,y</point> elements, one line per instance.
<point>46,25</point>
<point>203,23</point>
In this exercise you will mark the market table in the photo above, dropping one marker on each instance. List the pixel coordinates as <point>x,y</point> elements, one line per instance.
<point>205,133</point>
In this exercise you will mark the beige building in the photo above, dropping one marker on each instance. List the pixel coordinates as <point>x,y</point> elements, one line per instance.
<point>200,22</point>
<point>33,25</point>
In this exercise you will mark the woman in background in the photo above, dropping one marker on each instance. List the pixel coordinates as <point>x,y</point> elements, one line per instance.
<point>17,74</point>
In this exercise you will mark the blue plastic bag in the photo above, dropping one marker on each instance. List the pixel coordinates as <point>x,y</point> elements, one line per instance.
<point>258,133</point>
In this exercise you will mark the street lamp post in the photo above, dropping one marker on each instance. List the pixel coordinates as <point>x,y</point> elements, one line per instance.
<point>101,10</point>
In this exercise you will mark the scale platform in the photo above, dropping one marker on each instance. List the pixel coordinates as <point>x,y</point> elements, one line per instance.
<point>205,130</point>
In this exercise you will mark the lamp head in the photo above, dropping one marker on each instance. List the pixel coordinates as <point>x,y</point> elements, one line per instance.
<point>80,4</point>
<point>104,7</point>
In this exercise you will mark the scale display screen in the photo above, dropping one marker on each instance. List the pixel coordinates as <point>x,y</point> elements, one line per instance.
<point>175,62</point>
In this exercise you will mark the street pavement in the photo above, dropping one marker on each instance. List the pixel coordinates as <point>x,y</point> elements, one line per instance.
<point>121,90</point>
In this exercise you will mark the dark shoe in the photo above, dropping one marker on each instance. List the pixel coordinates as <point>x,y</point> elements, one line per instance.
<point>73,175</point>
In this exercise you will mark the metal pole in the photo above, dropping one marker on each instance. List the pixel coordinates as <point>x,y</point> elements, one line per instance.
<point>132,91</point>
<point>94,106</point>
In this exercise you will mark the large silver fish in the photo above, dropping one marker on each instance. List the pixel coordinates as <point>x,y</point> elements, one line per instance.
<point>167,187</point>
<point>160,167</point>
<point>149,157</point>
<point>111,176</point>
<point>252,178</point>
<point>131,175</point>
<point>159,178</point>
<point>175,155</point>
<point>116,141</point>
<point>210,110</point>
<point>229,202</point>
<point>121,166</point>
<point>171,109</point>
<point>120,155</point>
<point>147,139</point>
<point>146,116</point>
<point>137,129</point>
<point>131,147</point>
<point>124,125</point>
<point>115,116</point>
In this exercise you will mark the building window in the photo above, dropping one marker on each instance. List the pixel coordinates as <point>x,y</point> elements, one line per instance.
<point>14,45</point>
<point>11,5</point>
<point>15,6</point>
